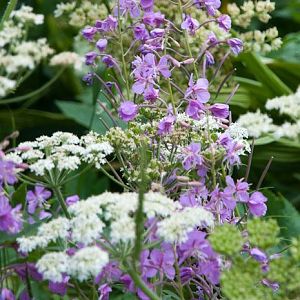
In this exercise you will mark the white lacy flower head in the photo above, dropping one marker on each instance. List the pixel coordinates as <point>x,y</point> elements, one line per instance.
<point>52,265</point>
<point>67,59</point>
<point>87,262</point>
<point>28,244</point>
<point>286,105</point>
<point>6,85</point>
<point>257,123</point>
<point>62,8</point>
<point>63,151</point>
<point>25,14</point>
<point>175,228</point>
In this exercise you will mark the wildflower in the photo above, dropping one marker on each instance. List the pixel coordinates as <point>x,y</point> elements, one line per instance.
<point>166,125</point>
<point>147,5</point>
<point>190,24</point>
<point>220,110</point>
<point>140,32</point>
<point>224,22</point>
<point>7,294</point>
<point>257,204</point>
<point>72,200</point>
<point>128,6</point>
<point>59,288</point>
<point>210,5</point>
<point>236,45</point>
<point>101,44</point>
<point>88,78</point>
<point>199,90</point>
<point>209,58</point>
<point>37,198</point>
<point>154,19</point>
<point>90,58</point>
<point>104,291</point>
<point>66,59</point>
<point>7,172</point>
<point>128,111</point>
<point>191,156</point>
<point>89,33</point>
<point>10,218</point>
<point>107,25</point>
<point>195,109</point>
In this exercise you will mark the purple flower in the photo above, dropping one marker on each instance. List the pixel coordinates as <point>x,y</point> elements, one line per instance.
<point>109,24</point>
<point>7,294</point>
<point>104,291</point>
<point>157,33</point>
<point>212,39</point>
<point>224,22</point>
<point>209,58</point>
<point>7,172</point>
<point>110,272</point>
<point>153,19</point>
<point>190,24</point>
<point>165,126</point>
<point>220,110</point>
<point>258,255</point>
<point>210,5</point>
<point>199,90</point>
<point>90,58</point>
<point>101,44</point>
<point>163,261</point>
<point>194,109</point>
<point>236,45</point>
<point>147,5</point>
<point>128,6</point>
<point>271,284</point>
<point>195,196</point>
<point>257,204</point>
<point>10,218</point>
<point>140,32</point>
<point>128,111</point>
<point>28,269</point>
<point>191,156</point>
<point>151,94</point>
<point>37,198</point>
<point>239,190</point>
<point>59,288</point>
<point>72,200</point>
<point>109,61</point>
<point>186,274</point>
<point>88,78</point>
<point>89,33</point>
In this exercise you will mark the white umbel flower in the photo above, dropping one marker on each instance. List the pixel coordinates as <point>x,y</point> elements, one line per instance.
<point>67,59</point>
<point>28,244</point>
<point>175,228</point>
<point>6,85</point>
<point>52,265</point>
<point>88,262</point>
<point>55,229</point>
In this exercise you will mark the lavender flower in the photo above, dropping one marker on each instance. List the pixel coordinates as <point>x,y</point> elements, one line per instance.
<point>7,172</point>
<point>195,109</point>
<point>128,111</point>
<point>128,6</point>
<point>10,218</point>
<point>220,110</point>
<point>236,45</point>
<point>190,24</point>
<point>224,22</point>
<point>107,25</point>
<point>165,126</point>
<point>7,294</point>
<point>104,291</point>
<point>257,204</point>
<point>88,33</point>
<point>37,198</point>
<point>191,156</point>
<point>210,5</point>
<point>90,58</point>
<point>147,5</point>
<point>101,44</point>
<point>198,90</point>
<point>72,200</point>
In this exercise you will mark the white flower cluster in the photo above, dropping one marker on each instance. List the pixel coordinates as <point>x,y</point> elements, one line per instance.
<point>175,228</point>
<point>17,55</point>
<point>63,151</point>
<point>85,263</point>
<point>259,124</point>
<point>259,41</point>
<point>85,13</point>
<point>67,59</point>
<point>286,105</point>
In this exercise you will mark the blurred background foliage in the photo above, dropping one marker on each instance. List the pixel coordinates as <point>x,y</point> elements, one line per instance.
<point>65,103</point>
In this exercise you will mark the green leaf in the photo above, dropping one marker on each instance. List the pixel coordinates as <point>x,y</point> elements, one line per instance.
<point>264,140</point>
<point>264,74</point>
<point>19,195</point>
<point>285,213</point>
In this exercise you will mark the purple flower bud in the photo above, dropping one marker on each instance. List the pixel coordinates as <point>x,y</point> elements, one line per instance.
<point>7,294</point>
<point>109,61</point>
<point>153,19</point>
<point>140,32</point>
<point>88,78</point>
<point>258,255</point>
<point>186,274</point>
<point>104,291</point>
<point>210,5</point>
<point>157,32</point>
<point>101,45</point>
<point>88,33</point>
<point>224,22</point>
<point>44,215</point>
<point>190,24</point>
<point>72,200</point>
<point>212,39</point>
<point>236,45</point>
<point>90,58</point>
<point>59,288</point>
<point>147,5</point>
<point>271,284</point>
<point>220,110</point>
<point>128,111</point>
<point>209,59</point>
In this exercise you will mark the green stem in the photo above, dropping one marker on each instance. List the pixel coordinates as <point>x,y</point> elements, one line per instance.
<point>122,52</point>
<point>141,284</point>
<point>61,200</point>
<point>179,284</point>
<point>114,179</point>
<point>10,7</point>
<point>187,40</point>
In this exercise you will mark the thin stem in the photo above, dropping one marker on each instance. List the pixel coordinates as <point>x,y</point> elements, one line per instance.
<point>114,179</point>
<point>179,284</point>
<point>61,200</point>
<point>249,161</point>
<point>263,175</point>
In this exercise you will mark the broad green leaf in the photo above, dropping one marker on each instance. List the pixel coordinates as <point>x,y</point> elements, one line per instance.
<point>263,74</point>
<point>285,213</point>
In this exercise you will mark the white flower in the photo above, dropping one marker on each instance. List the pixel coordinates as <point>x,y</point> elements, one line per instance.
<point>62,8</point>
<point>6,85</point>
<point>28,244</point>
<point>175,228</point>
<point>25,14</point>
<point>69,163</point>
<point>41,166</point>
<point>87,262</point>
<point>52,265</point>
<point>122,229</point>
<point>67,59</point>
<point>256,123</point>
<point>57,228</point>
